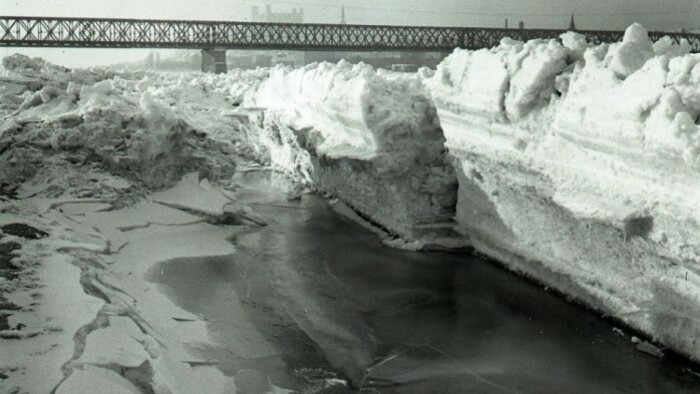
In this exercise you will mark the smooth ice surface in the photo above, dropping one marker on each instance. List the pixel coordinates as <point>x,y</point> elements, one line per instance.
<point>117,344</point>
<point>91,379</point>
<point>194,195</point>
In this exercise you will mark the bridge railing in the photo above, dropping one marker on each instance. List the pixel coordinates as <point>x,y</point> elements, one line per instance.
<point>115,33</point>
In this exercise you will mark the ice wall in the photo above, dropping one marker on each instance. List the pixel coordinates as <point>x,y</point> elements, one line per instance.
<point>578,165</point>
<point>368,137</point>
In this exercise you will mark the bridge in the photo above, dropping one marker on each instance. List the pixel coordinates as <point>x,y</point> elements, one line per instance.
<point>215,37</point>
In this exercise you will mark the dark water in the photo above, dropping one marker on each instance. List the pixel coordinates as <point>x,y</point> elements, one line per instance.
<point>313,296</point>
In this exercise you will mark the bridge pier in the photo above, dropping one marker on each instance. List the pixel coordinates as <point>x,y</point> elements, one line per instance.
<point>214,61</point>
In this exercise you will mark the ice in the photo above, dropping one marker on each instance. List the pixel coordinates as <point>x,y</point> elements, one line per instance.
<point>532,78</point>
<point>369,137</point>
<point>353,111</point>
<point>629,56</point>
<point>118,344</point>
<point>82,208</point>
<point>666,46</point>
<point>77,142</point>
<point>585,167</point>
<point>478,94</point>
<point>93,380</point>
<point>576,43</point>
<point>142,215</point>
<point>195,195</point>
<point>66,306</point>
<point>608,92</point>
<point>25,65</point>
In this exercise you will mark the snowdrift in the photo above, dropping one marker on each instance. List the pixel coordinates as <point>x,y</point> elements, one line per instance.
<point>578,165</point>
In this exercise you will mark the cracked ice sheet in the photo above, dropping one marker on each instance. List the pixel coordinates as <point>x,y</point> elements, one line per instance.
<point>147,247</point>
<point>111,225</point>
<point>194,195</point>
<point>64,307</point>
<point>82,208</point>
<point>125,285</point>
<point>141,215</point>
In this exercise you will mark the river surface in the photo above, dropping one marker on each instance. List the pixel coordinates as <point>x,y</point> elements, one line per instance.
<point>314,302</point>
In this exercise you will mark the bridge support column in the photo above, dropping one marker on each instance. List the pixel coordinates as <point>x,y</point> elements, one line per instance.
<point>214,61</point>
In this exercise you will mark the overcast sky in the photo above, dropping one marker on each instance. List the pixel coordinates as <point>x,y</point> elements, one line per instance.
<point>590,14</point>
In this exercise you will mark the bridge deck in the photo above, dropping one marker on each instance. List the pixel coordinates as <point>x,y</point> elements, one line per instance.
<point>141,33</point>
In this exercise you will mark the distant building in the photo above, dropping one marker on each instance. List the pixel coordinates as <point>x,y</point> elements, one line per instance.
<point>342,16</point>
<point>262,58</point>
<point>572,23</point>
<point>296,16</point>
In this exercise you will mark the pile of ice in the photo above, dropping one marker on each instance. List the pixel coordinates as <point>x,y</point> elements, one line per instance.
<point>369,137</point>
<point>151,128</point>
<point>24,65</point>
<point>633,93</point>
<point>354,110</point>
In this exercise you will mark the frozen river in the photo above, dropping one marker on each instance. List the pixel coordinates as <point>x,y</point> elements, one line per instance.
<point>314,296</point>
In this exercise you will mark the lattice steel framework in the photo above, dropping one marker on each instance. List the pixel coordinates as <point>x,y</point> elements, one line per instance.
<point>130,33</point>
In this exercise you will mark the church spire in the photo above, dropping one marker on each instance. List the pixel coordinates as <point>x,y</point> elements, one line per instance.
<point>342,16</point>
<point>572,24</point>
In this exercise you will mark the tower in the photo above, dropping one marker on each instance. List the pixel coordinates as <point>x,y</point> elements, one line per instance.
<point>572,24</point>
<point>342,16</point>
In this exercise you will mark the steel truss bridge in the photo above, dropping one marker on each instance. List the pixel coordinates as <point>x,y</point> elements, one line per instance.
<point>137,33</point>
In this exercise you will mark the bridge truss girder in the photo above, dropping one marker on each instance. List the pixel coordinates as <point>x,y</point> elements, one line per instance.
<point>134,33</point>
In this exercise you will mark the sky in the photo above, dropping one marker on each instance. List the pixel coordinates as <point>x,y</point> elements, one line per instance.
<point>590,14</point>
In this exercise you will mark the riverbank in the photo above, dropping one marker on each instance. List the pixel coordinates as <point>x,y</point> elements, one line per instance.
<point>81,310</point>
